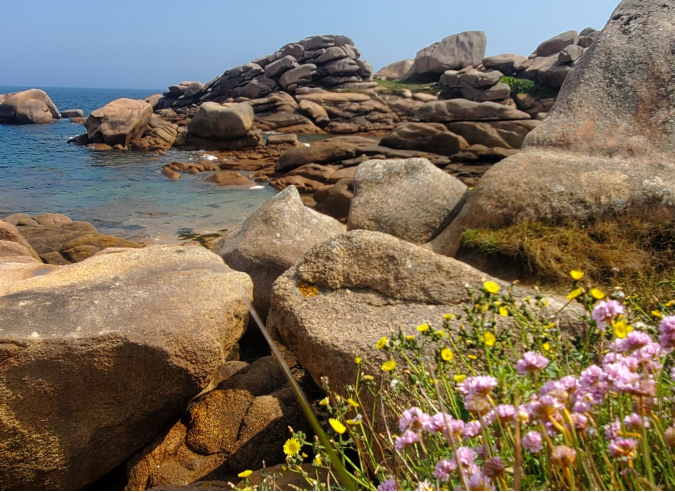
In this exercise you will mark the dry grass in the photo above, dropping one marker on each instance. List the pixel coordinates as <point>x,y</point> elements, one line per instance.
<point>633,253</point>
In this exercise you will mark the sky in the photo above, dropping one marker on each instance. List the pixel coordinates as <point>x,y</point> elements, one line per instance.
<point>151,44</point>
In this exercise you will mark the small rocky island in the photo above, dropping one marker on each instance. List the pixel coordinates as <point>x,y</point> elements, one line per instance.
<point>137,367</point>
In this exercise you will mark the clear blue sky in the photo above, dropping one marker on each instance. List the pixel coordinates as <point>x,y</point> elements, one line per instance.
<point>151,44</point>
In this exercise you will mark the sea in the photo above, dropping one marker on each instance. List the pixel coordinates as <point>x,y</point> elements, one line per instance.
<point>122,193</point>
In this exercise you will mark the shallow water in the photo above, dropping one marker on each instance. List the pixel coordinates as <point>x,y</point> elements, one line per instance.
<point>120,192</point>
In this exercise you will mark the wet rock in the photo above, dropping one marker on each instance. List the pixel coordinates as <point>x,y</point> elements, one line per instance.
<point>119,122</point>
<point>230,178</point>
<point>72,113</point>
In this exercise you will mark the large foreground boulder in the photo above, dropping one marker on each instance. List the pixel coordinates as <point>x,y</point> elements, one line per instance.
<point>452,53</point>
<point>600,152</point>
<point>408,198</point>
<point>119,122</point>
<point>273,239</point>
<point>358,287</point>
<point>100,356</point>
<point>27,107</point>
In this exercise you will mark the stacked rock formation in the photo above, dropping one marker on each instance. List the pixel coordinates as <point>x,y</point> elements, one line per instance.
<point>329,61</point>
<point>27,107</point>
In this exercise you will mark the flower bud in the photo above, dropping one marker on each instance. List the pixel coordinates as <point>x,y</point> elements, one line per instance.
<point>669,436</point>
<point>563,456</point>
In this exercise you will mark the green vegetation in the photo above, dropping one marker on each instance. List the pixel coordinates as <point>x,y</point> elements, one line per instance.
<point>634,253</point>
<point>392,86</point>
<point>511,393</point>
<point>529,87</point>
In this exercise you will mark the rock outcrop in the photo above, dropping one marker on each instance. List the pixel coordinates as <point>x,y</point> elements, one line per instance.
<point>382,283</point>
<point>452,53</point>
<point>27,107</point>
<point>287,229</point>
<point>238,426</point>
<point>394,71</point>
<point>599,153</point>
<point>119,122</point>
<point>102,355</point>
<point>411,199</point>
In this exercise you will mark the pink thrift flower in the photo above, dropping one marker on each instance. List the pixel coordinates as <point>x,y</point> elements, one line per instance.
<point>408,438</point>
<point>605,311</point>
<point>443,469</point>
<point>633,341</point>
<point>667,333</point>
<point>636,422</point>
<point>413,419</point>
<point>622,448</point>
<point>388,484</point>
<point>505,413</point>
<point>613,430</point>
<point>531,362</point>
<point>472,429</point>
<point>478,481</point>
<point>532,442</point>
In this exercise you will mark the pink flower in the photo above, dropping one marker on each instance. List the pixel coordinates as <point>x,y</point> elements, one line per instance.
<point>505,413</point>
<point>580,421</point>
<point>633,341</point>
<point>389,484</point>
<point>437,422</point>
<point>413,419</point>
<point>622,448</point>
<point>444,468</point>
<point>408,438</point>
<point>480,386</point>
<point>532,442</point>
<point>478,481</point>
<point>545,406</point>
<point>494,467</point>
<point>531,362</point>
<point>613,430</point>
<point>605,311</point>
<point>472,429</point>
<point>667,333</point>
<point>636,422</point>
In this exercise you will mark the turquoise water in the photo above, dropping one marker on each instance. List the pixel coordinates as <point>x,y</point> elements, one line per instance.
<point>120,192</point>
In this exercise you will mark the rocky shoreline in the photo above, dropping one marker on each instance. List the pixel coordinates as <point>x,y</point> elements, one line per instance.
<point>121,361</point>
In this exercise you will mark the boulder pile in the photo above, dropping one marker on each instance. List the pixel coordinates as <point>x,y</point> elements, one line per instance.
<point>327,61</point>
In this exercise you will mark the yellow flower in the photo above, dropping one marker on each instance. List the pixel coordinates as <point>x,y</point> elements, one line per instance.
<point>577,274</point>
<point>447,355</point>
<point>324,402</point>
<point>544,302</point>
<point>245,474</point>
<point>304,455</point>
<point>368,377</point>
<point>489,339</point>
<point>390,365</point>
<point>292,447</point>
<point>352,403</point>
<point>459,378</point>
<point>440,333</point>
<point>381,343</point>
<point>549,326</point>
<point>472,357</point>
<point>491,287</point>
<point>670,303</point>
<point>352,422</point>
<point>575,293</point>
<point>503,311</point>
<point>358,360</point>
<point>448,316</point>
<point>547,347</point>
<point>337,426</point>
<point>621,329</point>
<point>598,294</point>
<point>410,337</point>
<point>423,327</point>
<point>657,314</point>
<point>317,460</point>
